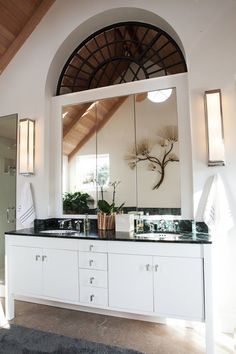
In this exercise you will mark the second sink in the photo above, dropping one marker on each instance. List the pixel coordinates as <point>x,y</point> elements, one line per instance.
<point>159,236</point>
<point>61,232</point>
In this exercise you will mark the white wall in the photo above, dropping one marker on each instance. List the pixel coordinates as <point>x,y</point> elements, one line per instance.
<point>207,31</point>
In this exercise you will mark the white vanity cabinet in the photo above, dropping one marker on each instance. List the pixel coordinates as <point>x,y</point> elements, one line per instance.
<point>49,271</point>
<point>163,279</point>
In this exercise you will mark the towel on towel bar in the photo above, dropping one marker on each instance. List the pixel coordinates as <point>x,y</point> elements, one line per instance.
<point>26,211</point>
<point>217,214</point>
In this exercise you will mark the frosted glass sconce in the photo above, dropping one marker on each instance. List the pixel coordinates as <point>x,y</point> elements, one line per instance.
<point>26,144</point>
<point>214,124</point>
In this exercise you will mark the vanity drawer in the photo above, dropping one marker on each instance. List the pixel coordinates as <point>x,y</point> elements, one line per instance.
<point>92,260</point>
<point>94,296</point>
<point>93,278</point>
<point>92,246</point>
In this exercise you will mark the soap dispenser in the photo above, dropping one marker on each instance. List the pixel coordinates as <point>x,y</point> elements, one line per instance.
<point>86,224</point>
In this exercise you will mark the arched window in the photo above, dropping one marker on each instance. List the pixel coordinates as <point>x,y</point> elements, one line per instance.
<point>120,53</point>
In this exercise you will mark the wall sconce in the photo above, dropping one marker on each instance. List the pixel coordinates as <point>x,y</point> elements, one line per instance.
<point>214,124</point>
<point>26,144</point>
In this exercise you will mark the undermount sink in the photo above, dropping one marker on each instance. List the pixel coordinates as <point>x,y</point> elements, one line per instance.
<point>61,232</point>
<point>159,236</point>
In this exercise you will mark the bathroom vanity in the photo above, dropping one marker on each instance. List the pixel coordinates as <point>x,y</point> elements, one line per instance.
<point>113,271</point>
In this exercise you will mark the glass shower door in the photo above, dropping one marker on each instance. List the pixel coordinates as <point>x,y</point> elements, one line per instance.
<point>8,139</point>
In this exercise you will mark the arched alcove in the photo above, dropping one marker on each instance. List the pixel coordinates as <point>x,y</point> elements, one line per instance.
<point>96,23</point>
<point>120,53</point>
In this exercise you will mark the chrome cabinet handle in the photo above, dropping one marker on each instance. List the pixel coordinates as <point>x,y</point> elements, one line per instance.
<point>148,267</point>
<point>10,211</point>
<point>91,280</point>
<point>91,248</point>
<point>37,257</point>
<point>90,262</point>
<point>91,298</point>
<point>44,258</point>
<point>156,267</point>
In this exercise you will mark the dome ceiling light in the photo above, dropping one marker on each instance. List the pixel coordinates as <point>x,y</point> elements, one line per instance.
<point>159,96</point>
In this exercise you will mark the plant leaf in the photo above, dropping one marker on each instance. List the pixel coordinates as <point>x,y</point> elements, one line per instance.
<point>104,206</point>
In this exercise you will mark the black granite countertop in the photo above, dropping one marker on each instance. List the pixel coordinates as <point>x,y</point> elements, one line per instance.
<point>183,237</point>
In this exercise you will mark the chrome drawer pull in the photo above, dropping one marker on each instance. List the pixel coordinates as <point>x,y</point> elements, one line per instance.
<point>156,267</point>
<point>91,298</point>
<point>90,262</point>
<point>91,248</point>
<point>148,267</point>
<point>44,258</point>
<point>37,257</point>
<point>91,280</point>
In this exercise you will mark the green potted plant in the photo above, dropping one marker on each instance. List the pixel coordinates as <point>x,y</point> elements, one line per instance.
<point>106,211</point>
<point>76,203</point>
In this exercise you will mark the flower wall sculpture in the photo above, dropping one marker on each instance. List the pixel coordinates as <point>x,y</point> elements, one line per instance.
<point>142,153</point>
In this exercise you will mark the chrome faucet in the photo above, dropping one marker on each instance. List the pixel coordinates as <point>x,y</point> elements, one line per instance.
<point>162,225</point>
<point>62,223</point>
<point>151,227</point>
<point>77,225</point>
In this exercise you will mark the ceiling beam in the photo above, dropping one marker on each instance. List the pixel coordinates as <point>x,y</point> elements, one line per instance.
<point>75,119</point>
<point>97,127</point>
<point>25,33</point>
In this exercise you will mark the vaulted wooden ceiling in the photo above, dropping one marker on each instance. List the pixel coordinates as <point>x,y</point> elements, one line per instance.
<point>18,19</point>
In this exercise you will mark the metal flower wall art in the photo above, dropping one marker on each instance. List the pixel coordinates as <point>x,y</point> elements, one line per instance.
<point>142,153</point>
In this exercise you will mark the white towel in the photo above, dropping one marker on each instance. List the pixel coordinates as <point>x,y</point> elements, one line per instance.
<point>217,214</point>
<point>26,211</point>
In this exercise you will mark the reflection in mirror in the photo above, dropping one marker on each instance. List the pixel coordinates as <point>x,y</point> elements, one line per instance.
<point>95,138</point>
<point>79,158</point>
<point>129,141</point>
<point>113,140</point>
<point>157,155</point>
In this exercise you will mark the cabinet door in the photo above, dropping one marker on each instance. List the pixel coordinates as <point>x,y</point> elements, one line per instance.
<point>60,274</point>
<point>178,287</point>
<point>26,274</point>
<point>130,282</point>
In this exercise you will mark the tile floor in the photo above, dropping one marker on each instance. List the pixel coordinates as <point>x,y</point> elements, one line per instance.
<point>150,338</point>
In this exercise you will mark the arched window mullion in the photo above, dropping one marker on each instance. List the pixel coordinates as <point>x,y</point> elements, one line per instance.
<point>119,46</point>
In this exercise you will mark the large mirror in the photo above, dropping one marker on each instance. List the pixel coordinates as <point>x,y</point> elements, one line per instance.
<point>123,149</point>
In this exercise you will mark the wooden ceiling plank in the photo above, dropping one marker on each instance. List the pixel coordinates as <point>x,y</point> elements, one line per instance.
<point>7,35</point>
<point>2,48</point>
<point>26,6</point>
<point>12,17</point>
<point>25,33</point>
<point>9,22</point>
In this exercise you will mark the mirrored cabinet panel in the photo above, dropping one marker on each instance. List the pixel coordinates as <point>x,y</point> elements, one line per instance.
<point>115,135</point>
<point>79,162</point>
<point>123,150</point>
<point>157,155</point>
